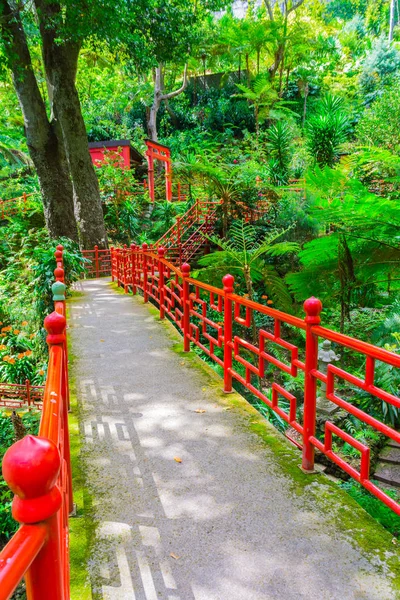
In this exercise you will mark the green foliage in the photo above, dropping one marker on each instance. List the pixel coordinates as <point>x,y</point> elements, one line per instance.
<point>380,123</point>
<point>380,69</point>
<point>326,131</point>
<point>279,144</point>
<point>246,254</point>
<point>26,275</point>
<point>384,515</point>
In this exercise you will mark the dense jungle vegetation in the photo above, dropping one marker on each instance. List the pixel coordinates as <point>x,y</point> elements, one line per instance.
<point>292,103</point>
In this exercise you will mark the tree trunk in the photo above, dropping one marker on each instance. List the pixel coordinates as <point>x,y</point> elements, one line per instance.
<point>306,90</point>
<point>60,62</point>
<point>42,137</point>
<point>391,20</point>
<point>158,97</point>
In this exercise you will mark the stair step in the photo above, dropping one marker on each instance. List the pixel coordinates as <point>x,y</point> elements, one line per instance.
<point>390,454</point>
<point>388,473</point>
<point>393,444</point>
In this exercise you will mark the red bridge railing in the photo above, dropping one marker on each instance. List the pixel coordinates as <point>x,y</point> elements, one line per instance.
<point>208,317</point>
<point>15,395</point>
<point>38,471</point>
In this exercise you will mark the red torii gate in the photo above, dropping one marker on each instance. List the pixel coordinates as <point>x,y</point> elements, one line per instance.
<point>159,152</point>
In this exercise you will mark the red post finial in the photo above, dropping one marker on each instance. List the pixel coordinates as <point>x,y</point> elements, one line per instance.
<point>30,468</point>
<point>312,307</point>
<point>161,252</point>
<point>133,246</point>
<point>145,246</point>
<point>228,282</point>
<point>59,274</point>
<point>60,247</point>
<point>55,325</point>
<point>185,268</point>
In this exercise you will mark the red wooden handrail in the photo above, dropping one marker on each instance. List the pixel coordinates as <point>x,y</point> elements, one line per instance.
<point>206,316</point>
<point>38,471</point>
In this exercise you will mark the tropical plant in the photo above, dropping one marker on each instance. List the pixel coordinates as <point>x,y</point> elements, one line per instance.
<point>360,246</point>
<point>279,144</point>
<point>246,253</point>
<point>327,130</point>
<point>268,105</point>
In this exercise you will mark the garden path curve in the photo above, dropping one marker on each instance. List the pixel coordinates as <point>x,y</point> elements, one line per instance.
<point>236,519</point>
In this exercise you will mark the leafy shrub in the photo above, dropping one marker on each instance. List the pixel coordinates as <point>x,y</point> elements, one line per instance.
<point>327,130</point>
<point>279,144</point>
<point>380,124</point>
<point>378,69</point>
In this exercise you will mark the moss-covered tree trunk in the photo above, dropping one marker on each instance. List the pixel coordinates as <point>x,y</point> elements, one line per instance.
<point>44,144</point>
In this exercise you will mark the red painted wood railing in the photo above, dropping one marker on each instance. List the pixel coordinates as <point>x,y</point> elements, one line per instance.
<point>14,205</point>
<point>98,262</point>
<point>14,395</point>
<point>207,316</point>
<point>38,471</point>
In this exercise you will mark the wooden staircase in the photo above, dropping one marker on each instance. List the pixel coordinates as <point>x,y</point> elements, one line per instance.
<point>186,239</point>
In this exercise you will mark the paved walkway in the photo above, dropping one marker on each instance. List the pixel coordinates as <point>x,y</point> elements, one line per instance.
<point>226,523</point>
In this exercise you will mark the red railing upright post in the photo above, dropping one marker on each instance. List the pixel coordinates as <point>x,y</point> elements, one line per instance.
<point>228,282</point>
<point>31,468</point>
<point>28,391</point>
<point>312,308</point>
<point>96,260</point>
<point>186,306</point>
<point>125,266</point>
<point>161,254</point>
<point>133,268</point>
<point>145,291</point>
<point>25,197</point>
<point>117,252</point>
<point>112,263</point>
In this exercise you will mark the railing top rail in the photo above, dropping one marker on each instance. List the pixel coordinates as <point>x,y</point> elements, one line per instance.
<point>271,312</point>
<point>358,345</point>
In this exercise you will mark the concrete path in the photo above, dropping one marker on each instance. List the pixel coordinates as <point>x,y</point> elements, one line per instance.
<point>236,519</point>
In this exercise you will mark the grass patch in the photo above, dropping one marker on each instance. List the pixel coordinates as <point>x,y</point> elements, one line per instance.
<point>81,526</point>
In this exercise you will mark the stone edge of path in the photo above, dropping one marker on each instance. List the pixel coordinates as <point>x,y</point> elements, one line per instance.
<point>338,510</point>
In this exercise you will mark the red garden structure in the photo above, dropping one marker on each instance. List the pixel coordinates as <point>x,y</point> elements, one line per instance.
<point>123,148</point>
<point>154,152</point>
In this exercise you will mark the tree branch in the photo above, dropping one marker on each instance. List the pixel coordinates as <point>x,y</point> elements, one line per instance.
<point>181,89</point>
<point>294,6</point>
<point>269,9</point>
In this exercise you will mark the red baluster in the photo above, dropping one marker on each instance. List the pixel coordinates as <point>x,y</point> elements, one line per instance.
<point>96,260</point>
<point>133,268</point>
<point>112,263</point>
<point>228,283</point>
<point>145,292</point>
<point>186,307</point>
<point>161,254</point>
<point>28,391</point>
<point>312,308</point>
<point>125,267</point>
